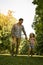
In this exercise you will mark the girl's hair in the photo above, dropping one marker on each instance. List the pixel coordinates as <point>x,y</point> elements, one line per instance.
<point>32,34</point>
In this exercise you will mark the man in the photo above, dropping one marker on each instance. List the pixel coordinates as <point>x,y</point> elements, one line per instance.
<point>16,35</point>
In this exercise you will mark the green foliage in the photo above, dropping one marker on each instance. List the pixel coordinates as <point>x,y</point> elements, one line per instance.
<point>24,46</point>
<point>6,22</point>
<point>38,25</point>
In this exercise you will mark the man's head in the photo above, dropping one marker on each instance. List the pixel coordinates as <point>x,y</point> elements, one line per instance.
<point>20,21</point>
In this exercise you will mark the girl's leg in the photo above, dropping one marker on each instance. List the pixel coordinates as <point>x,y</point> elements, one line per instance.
<point>29,50</point>
<point>32,50</point>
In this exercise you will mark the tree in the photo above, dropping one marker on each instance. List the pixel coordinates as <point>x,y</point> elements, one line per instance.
<point>38,24</point>
<point>6,22</point>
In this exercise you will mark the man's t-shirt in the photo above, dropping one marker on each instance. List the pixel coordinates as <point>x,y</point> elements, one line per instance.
<point>16,30</point>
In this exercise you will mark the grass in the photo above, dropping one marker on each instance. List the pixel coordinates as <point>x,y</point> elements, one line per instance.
<point>20,60</point>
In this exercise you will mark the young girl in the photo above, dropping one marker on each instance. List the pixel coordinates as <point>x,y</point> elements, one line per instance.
<point>32,43</point>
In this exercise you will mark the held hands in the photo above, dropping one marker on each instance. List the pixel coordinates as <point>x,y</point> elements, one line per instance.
<point>26,37</point>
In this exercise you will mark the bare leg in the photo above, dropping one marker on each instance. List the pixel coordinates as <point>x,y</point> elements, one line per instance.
<point>17,45</point>
<point>12,52</point>
<point>29,51</point>
<point>13,45</point>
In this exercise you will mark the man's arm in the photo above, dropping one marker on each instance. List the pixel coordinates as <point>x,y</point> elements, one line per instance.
<point>12,30</point>
<point>23,29</point>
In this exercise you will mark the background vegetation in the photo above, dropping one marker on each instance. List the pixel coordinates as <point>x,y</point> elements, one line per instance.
<point>38,25</point>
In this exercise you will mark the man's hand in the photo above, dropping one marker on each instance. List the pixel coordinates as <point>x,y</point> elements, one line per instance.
<point>26,37</point>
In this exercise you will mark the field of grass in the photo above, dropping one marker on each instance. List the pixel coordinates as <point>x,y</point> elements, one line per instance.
<point>20,60</point>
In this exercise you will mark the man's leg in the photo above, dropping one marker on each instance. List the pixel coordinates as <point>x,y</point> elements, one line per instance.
<point>13,45</point>
<point>17,45</point>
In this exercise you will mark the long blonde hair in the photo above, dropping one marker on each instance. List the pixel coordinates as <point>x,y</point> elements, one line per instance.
<point>32,34</point>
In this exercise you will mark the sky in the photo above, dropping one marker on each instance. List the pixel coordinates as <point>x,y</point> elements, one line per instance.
<point>23,9</point>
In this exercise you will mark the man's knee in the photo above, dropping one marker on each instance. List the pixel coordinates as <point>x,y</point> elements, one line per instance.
<point>13,40</point>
